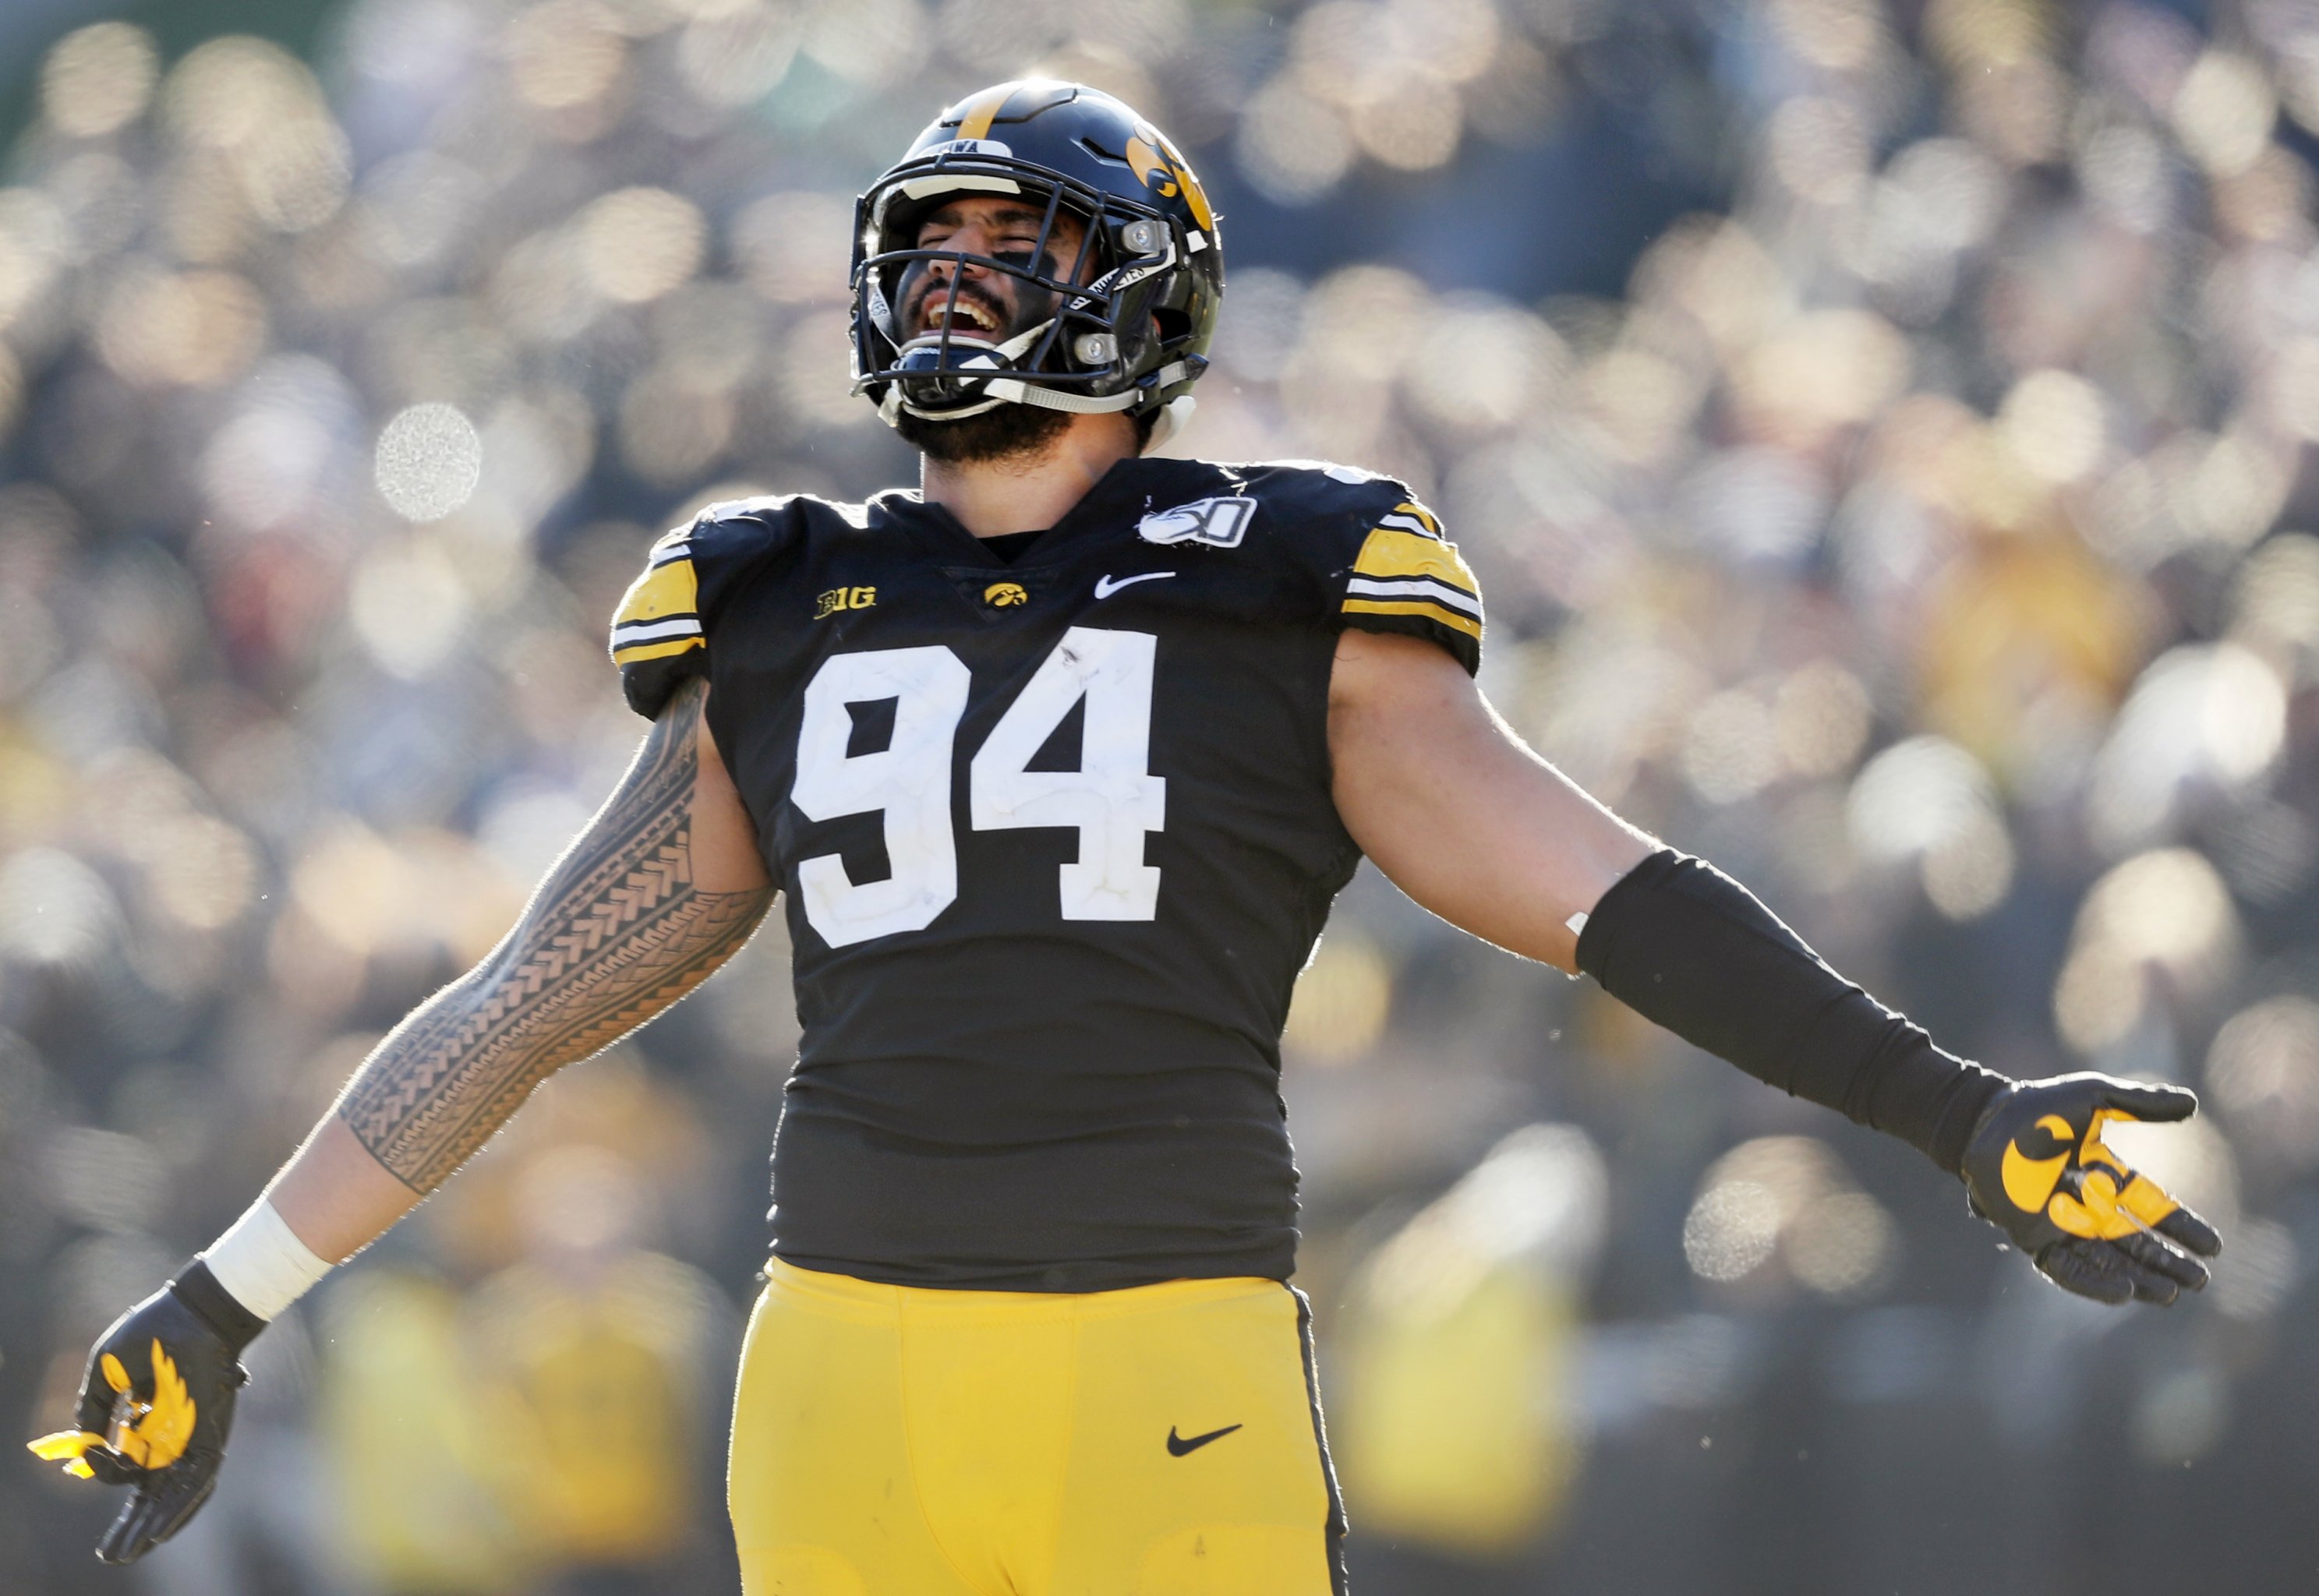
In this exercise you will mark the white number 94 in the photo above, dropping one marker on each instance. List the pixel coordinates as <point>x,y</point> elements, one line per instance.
<point>1112,800</point>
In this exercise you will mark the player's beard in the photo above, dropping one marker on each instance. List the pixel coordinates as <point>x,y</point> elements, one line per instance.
<point>1005,432</point>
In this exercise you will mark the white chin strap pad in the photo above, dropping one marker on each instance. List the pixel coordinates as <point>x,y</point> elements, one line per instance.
<point>1013,390</point>
<point>1171,419</point>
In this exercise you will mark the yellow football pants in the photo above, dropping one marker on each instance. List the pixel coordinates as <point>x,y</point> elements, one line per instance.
<point>1159,1441</point>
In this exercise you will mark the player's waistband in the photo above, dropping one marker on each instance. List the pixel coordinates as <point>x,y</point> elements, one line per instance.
<point>872,1301</point>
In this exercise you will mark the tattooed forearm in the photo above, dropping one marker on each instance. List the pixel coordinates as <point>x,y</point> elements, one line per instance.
<point>616,933</point>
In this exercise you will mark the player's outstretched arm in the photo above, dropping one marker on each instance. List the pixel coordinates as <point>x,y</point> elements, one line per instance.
<point>664,887</point>
<point>1473,826</point>
<point>661,888</point>
<point>1457,810</point>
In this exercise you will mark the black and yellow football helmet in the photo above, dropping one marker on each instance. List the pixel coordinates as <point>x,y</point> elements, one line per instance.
<point>1132,339</point>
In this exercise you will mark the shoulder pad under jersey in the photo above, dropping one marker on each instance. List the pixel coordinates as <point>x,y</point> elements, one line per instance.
<point>1384,562</point>
<point>664,626</point>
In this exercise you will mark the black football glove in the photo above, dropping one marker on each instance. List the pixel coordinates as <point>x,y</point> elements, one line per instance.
<point>154,1407</point>
<point>2037,1168</point>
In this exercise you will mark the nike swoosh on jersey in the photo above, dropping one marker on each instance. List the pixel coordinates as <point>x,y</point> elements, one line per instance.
<point>1105,586</point>
<point>1178,1445</point>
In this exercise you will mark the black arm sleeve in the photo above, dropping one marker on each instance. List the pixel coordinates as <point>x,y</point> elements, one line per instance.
<point>1688,947</point>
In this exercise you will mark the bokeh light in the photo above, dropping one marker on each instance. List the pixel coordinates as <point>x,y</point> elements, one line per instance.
<point>99,79</point>
<point>429,459</point>
<point>1787,1195</point>
<point>2164,913</point>
<point>2263,1073</point>
<point>1343,1000</point>
<point>1884,436</point>
<point>639,243</point>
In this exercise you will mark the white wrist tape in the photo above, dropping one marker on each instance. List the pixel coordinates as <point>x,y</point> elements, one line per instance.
<point>262,1264</point>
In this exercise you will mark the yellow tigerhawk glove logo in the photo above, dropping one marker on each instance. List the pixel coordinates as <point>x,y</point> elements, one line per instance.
<point>152,1435</point>
<point>2100,1199</point>
<point>66,1446</point>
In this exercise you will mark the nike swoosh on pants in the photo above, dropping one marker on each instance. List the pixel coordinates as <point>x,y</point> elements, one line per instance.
<point>1178,1445</point>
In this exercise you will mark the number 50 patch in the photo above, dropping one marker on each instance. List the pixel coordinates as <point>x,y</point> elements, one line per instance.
<point>1219,523</point>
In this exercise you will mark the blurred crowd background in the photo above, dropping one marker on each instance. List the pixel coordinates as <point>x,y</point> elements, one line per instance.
<point>1883,434</point>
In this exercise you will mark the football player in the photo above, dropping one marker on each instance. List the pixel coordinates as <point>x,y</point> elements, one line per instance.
<point>1056,764</point>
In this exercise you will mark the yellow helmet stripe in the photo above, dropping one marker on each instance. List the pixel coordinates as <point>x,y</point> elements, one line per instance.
<point>974,121</point>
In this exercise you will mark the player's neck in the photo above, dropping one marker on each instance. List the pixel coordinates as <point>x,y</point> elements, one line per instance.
<point>1028,492</point>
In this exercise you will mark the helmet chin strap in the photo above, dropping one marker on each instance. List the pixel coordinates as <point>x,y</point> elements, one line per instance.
<point>997,357</point>
<point>1011,391</point>
<point>999,390</point>
<point>1014,390</point>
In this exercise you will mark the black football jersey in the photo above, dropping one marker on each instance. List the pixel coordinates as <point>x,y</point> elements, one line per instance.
<point>1055,837</point>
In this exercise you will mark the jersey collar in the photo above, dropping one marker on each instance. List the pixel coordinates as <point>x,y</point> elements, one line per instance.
<point>1130,490</point>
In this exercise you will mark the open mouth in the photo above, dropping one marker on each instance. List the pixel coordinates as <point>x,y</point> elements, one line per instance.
<point>969,320</point>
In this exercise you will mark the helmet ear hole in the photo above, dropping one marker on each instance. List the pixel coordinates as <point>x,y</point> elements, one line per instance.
<point>1173,325</point>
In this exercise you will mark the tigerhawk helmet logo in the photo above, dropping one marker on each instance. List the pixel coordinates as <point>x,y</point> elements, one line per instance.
<point>1164,173</point>
<point>1004,595</point>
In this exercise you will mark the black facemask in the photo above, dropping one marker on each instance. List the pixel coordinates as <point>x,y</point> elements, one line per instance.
<point>1009,431</point>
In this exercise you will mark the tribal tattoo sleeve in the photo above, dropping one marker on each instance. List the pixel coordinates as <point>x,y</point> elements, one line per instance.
<point>616,933</point>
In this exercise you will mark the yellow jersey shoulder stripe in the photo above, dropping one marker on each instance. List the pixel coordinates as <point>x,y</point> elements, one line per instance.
<point>653,631</point>
<point>1409,516</point>
<point>639,652</point>
<point>1391,553</point>
<point>1415,587</point>
<point>1424,609</point>
<point>660,615</point>
<point>1405,567</point>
